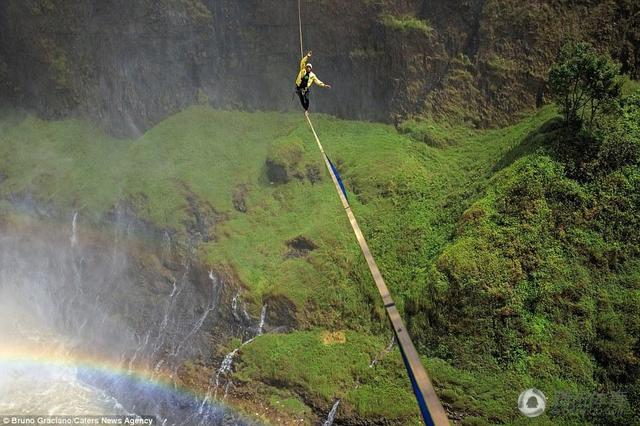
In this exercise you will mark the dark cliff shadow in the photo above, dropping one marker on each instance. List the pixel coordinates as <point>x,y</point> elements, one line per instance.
<point>534,141</point>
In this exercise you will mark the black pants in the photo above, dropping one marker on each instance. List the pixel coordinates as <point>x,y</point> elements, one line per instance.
<point>304,97</point>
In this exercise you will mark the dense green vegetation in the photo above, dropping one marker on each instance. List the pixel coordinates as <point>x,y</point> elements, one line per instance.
<point>542,274</point>
<point>406,23</point>
<point>512,253</point>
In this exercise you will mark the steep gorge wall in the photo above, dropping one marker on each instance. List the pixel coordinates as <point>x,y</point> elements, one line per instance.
<point>129,64</point>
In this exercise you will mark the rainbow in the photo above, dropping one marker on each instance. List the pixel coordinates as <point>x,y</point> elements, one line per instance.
<point>51,357</point>
<point>143,377</point>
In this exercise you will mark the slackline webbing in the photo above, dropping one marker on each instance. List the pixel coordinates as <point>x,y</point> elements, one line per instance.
<point>432,411</point>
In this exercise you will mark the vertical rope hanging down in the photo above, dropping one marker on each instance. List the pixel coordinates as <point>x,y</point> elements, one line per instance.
<point>300,28</point>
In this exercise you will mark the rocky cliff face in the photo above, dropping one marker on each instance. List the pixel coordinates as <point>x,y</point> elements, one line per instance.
<point>129,64</point>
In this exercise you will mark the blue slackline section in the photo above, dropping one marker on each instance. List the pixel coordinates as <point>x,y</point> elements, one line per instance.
<point>335,172</point>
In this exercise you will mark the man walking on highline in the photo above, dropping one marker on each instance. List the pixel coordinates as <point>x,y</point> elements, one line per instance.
<point>306,78</point>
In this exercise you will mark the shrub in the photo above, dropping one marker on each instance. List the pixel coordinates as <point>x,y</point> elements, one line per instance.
<point>407,23</point>
<point>584,83</point>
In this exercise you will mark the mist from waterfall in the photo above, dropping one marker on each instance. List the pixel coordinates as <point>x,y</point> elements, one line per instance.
<point>79,324</point>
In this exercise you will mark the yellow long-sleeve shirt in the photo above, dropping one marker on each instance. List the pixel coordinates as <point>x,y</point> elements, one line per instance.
<point>313,79</point>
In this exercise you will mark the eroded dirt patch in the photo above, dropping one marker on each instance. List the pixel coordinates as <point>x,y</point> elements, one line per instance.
<point>300,247</point>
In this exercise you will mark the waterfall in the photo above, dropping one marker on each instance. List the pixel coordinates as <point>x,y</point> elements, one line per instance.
<point>263,316</point>
<point>226,390</point>
<point>227,363</point>
<point>198,324</point>
<point>235,303</point>
<point>234,306</point>
<point>332,414</point>
<point>74,238</point>
<point>140,348</point>
<point>245,313</point>
<point>165,319</point>
<point>385,351</point>
<point>166,243</point>
<point>74,261</point>
<point>195,328</point>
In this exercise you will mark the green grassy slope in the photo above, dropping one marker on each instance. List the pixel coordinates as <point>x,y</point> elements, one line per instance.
<point>451,228</point>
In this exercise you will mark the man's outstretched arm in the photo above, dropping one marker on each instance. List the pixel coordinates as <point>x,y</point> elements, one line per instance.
<point>303,62</point>
<point>318,82</point>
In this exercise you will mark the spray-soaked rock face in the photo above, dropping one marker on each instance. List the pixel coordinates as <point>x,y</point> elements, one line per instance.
<point>96,320</point>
